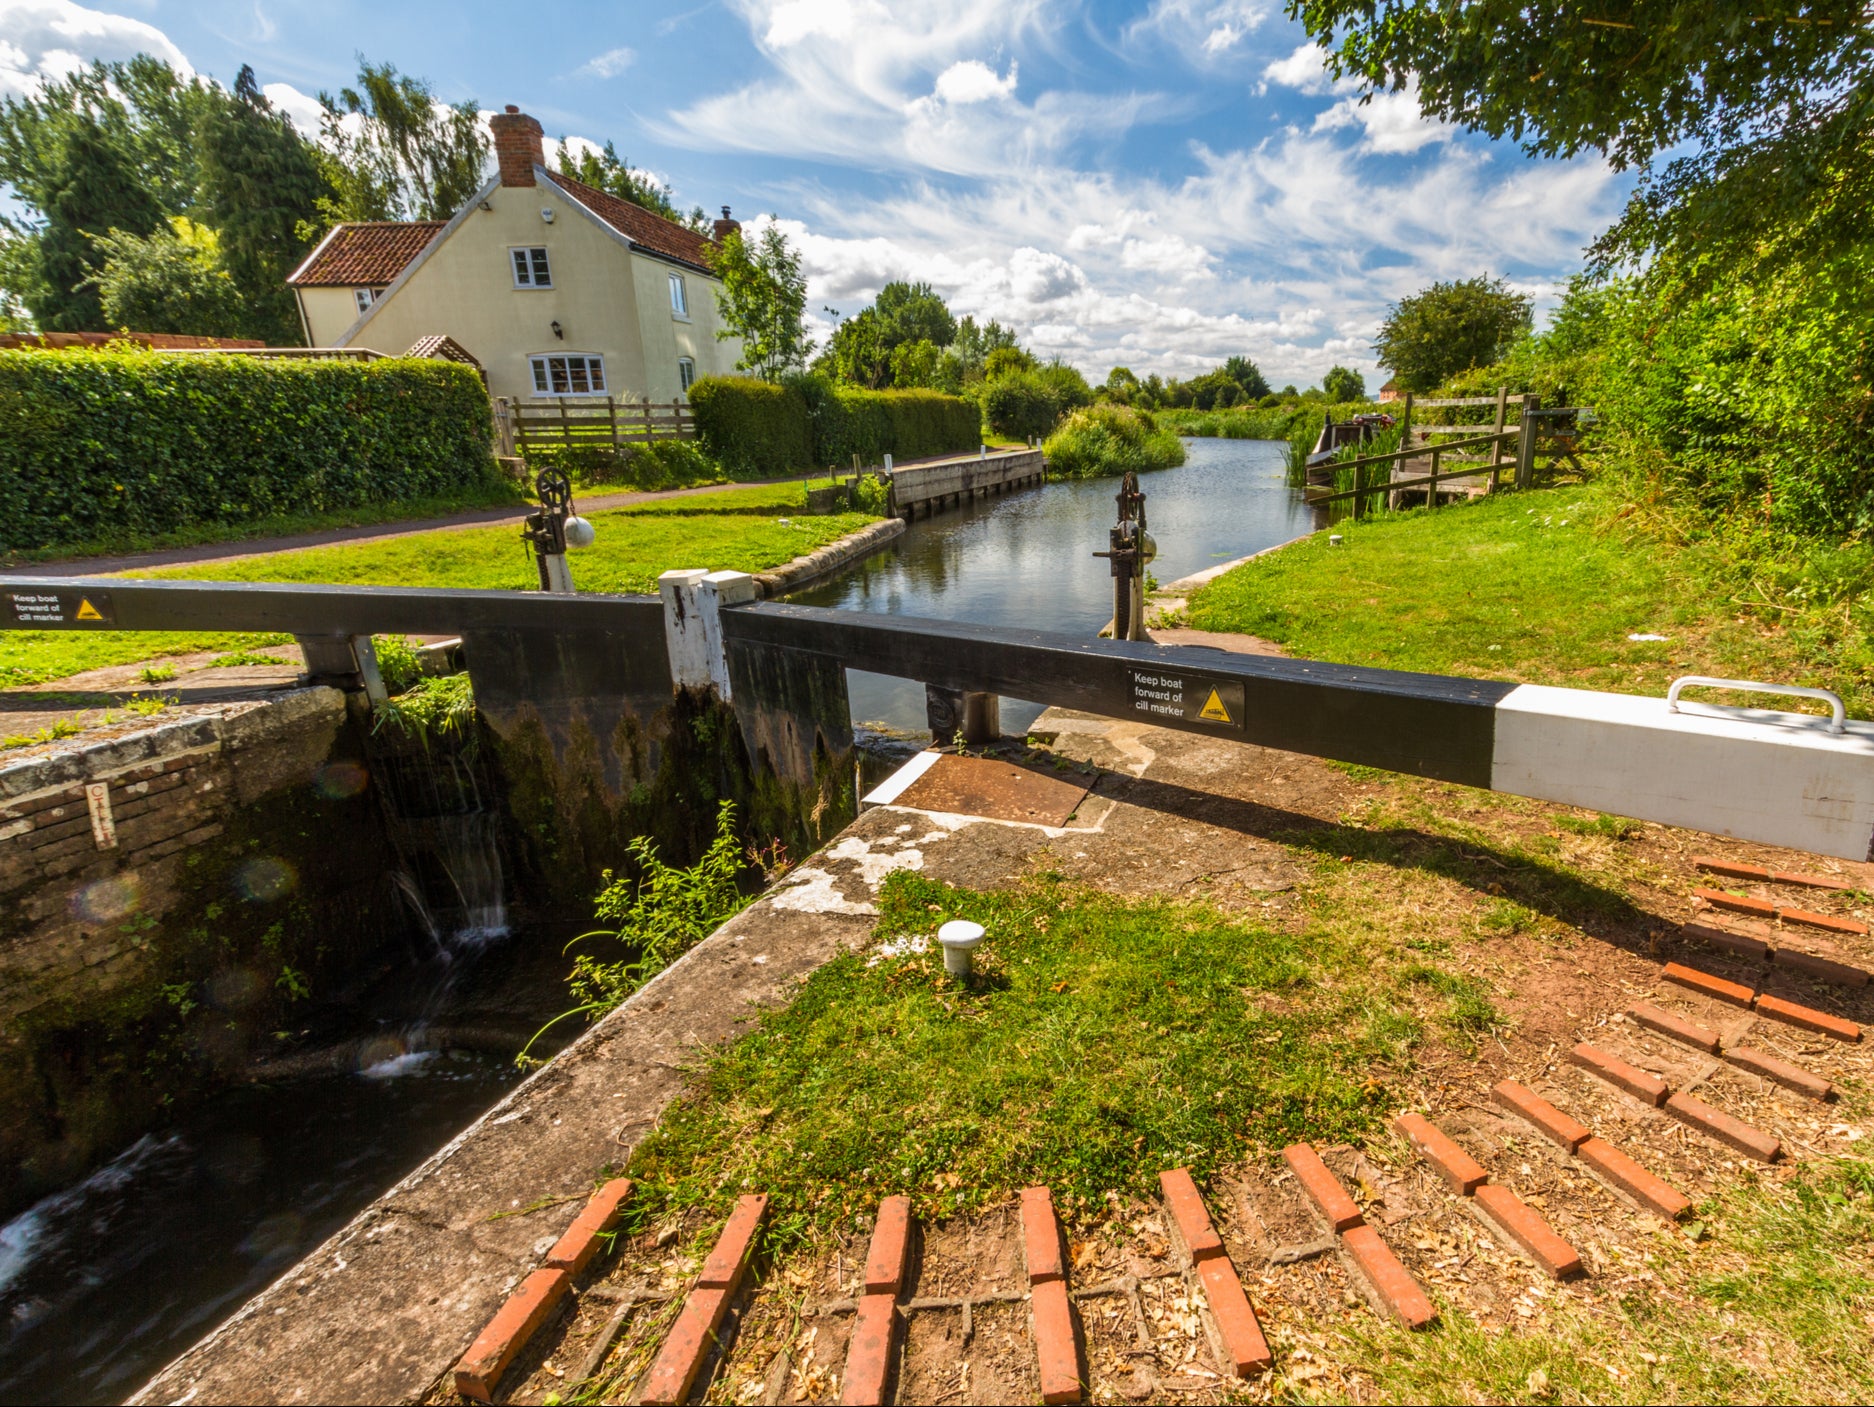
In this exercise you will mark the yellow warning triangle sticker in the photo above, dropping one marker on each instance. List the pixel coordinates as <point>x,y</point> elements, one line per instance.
<point>87,611</point>
<point>1214,710</point>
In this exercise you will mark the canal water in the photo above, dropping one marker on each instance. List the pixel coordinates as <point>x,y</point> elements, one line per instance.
<point>105,1282</point>
<point>1026,560</point>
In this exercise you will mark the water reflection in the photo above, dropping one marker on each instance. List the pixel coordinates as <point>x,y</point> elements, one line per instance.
<point>1026,560</point>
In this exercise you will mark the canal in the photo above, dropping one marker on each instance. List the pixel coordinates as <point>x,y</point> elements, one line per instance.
<point>1028,559</point>
<point>103,1283</point>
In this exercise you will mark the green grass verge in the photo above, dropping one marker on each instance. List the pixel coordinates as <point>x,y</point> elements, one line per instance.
<point>496,493</point>
<point>1101,1040</point>
<point>737,530</point>
<point>1544,588</point>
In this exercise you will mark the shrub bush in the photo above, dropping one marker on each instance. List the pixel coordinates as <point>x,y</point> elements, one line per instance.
<point>812,422</point>
<point>107,445</point>
<point>662,464</point>
<point>753,429</point>
<point>1021,403</point>
<point>1110,439</point>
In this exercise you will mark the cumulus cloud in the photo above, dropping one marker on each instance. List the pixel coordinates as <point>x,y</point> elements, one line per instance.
<point>302,108</point>
<point>1304,70</point>
<point>973,81</point>
<point>48,39</point>
<point>609,64</point>
<point>1392,122</point>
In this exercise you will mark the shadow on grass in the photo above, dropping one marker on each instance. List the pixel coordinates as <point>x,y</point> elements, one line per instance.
<point>1500,872</point>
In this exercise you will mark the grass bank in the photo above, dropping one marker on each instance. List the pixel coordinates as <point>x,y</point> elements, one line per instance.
<point>493,493</point>
<point>750,530</point>
<point>1548,587</point>
<point>1106,1038</point>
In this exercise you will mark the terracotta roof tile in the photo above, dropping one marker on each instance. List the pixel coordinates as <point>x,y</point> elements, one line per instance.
<point>367,255</point>
<point>639,225</point>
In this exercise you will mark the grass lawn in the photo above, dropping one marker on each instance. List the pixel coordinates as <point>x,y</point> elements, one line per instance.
<point>493,494</point>
<point>737,530</point>
<point>1541,588</point>
<point>1105,1038</point>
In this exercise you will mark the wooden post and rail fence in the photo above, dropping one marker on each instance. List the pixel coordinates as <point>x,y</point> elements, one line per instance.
<point>588,423</point>
<point>1484,449</point>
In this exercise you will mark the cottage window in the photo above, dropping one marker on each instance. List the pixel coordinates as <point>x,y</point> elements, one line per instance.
<point>679,298</point>
<point>574,375</point>
<point>686,372</point>
<point>364,298</point>
<point>530,268</point>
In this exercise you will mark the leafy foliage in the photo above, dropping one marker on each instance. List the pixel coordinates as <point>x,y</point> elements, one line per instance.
<point>1449,328</point>
<point>1343,384</point>
<point>761,429</point>
<point>104,441</point>
<point>432,710</point>
<point>660,913</point>
<point>395,152</point>
<point>762,301</point>
<point>1110,439</point>
<point>171,281</point>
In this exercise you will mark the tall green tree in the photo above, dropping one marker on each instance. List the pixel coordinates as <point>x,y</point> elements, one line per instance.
<point>1767,110</point>
<point>763,301</point>
<point>170,281</point>
<point>913,312</point>
<point>1449,328</point>
<point>92,190</point>
<point>261,189</point>
<point>1343,383</point>
<point>397,153</point>
<point>607,171</point>
<point>1248,377</point>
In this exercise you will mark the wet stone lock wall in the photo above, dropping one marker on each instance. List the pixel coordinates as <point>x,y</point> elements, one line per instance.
<point>169,900</point>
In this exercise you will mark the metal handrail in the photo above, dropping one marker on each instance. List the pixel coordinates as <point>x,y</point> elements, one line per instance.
<point>1838,713</point>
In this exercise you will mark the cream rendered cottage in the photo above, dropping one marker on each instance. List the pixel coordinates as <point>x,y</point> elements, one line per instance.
<point>556,288</point>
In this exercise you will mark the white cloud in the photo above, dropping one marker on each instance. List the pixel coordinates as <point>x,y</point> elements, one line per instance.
<point>609,64</point>
<point>973,81</point>
<point>1392,122</point>
<point>48,39</point>
<point>1212,27</point>
<point>1305,70</point>
<point>302,108</point>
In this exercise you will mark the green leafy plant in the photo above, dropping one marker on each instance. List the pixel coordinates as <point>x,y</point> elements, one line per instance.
<point>658,916</point>
<point>431,710</point>
<point>157,673</point>
<point>397,662</point>
<point>1110,439</point>
<point>237,658</point>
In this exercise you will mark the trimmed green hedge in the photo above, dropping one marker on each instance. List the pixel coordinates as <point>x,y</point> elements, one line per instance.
<point>759,429</point>
<point>100,444</point>
<point>753,429</point>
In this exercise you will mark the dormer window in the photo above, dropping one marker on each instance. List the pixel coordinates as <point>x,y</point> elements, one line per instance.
<point>365,297</point>
<point>679,297</point>
<point>530,268</point>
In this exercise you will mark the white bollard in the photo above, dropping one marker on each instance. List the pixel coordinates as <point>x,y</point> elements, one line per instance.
<point>959,937</point>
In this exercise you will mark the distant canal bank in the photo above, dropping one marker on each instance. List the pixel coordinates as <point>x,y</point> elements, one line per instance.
<point>1027,559</point>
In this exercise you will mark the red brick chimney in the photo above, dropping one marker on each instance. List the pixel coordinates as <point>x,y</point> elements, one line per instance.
<point>726,227</point>
<point>517,146</point>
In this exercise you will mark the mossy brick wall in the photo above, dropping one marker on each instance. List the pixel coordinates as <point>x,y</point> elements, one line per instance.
<point>249,870</point>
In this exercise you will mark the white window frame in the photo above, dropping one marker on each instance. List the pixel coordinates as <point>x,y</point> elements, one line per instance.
<point>575,367</point>
<point>363,298</point>
<point>686,374</point>
<point>679,298</point>
<point>527,263</point>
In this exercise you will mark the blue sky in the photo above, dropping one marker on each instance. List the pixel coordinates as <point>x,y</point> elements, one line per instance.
<point>1157,185</point>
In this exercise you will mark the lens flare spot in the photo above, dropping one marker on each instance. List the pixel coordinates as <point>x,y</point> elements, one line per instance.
<point>265,879</point>
<point>107,900</point>
<point>338,780</point>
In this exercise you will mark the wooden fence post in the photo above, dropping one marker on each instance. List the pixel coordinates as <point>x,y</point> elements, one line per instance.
<point>1431,489</point>
<point>566,425</point>
<point>611,417</point>
<point>504,427</point>
<point>1526,442</point>
<point>1405,432</point>
<point>1496,446</point>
